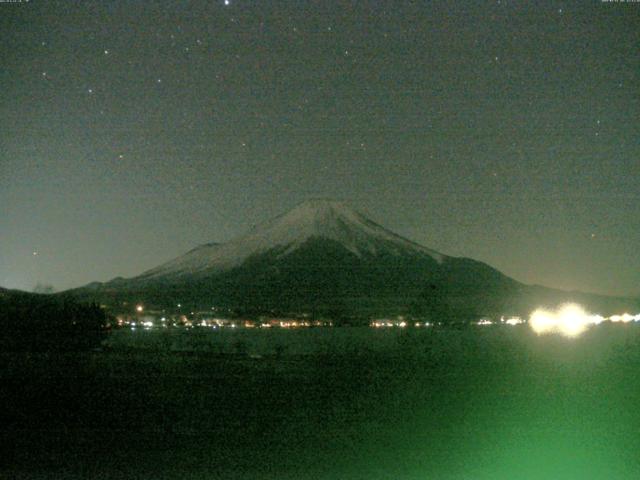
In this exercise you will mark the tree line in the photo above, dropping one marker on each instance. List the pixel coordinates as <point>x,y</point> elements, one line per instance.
<point>32,322</point>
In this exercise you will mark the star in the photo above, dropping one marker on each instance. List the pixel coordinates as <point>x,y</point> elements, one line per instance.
<point>227,2</point>
<point>106,52</point>
<point>90,91</point>
<point>35,253</point>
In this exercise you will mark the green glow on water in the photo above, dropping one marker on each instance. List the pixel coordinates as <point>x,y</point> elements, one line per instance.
<point>480,404</point>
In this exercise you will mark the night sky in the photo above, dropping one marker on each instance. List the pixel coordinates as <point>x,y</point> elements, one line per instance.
<point>503,131</point>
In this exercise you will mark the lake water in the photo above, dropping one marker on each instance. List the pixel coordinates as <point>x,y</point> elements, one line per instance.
<point>330,403</point>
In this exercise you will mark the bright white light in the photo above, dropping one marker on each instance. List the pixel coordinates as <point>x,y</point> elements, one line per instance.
<point>139,308</point>
<point>624,318</point>
<point>543,321</point>
<point>573,320</point>
<point>570,320</point>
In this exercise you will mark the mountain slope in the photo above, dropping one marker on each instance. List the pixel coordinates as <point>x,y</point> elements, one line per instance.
<point>325,219</point>
<point>325,259</point>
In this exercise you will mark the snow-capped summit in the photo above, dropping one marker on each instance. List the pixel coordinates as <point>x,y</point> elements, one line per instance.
<point>326,260</point>
<point>312,219</point>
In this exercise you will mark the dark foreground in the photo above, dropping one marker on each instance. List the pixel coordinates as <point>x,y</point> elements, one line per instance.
<point>493,403</point>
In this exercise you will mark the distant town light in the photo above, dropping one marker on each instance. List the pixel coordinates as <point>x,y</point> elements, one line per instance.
<point>514,321</point>
<point>139,308</point>
<point>626,317</point>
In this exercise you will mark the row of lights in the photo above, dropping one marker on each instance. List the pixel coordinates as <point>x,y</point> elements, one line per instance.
<point>569,320</point>
<point>400,324</point>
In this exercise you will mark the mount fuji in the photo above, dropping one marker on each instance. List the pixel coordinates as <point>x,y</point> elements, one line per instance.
<point>326,220</point>
<point>324,259</point>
